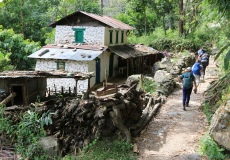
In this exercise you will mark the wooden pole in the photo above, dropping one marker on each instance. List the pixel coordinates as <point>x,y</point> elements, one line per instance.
<point>76,87</point>
<point>106,77</point>
<point>9,98</point>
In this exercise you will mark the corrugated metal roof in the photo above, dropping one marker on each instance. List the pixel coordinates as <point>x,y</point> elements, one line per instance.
<point>145,49</point>
<point>114,23</point>
<point>43,74</point>
<point>19,74</point>
<point>66,54</point>
<point>84,46</point>
<point>125,51</point>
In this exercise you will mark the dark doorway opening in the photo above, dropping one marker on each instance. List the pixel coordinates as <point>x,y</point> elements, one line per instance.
<point>18,100</point>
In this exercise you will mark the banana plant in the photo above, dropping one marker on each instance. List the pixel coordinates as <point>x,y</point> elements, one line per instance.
<point>226,58</point>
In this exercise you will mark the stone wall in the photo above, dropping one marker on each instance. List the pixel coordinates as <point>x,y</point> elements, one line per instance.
<point>167,71</point>
<point>57,83</point>
<point>92,35</point>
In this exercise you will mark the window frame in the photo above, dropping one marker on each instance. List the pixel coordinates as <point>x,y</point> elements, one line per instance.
<point>110,36</point>
<point>122,36</point>
<point>77,31</point>
<point>117,35</point>
<point>61,65</point>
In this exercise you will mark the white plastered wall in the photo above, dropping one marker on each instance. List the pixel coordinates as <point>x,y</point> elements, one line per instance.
<point>71,66</point>
<point>104,65</point>
<point>107,37</point>
<point>92,35</point>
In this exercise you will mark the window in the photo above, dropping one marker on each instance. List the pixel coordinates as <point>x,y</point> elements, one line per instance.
<point>117,34</point>
<point>111,36</point>
<point>61,66</point>
<point>122,36</point>
<point>79,35</point>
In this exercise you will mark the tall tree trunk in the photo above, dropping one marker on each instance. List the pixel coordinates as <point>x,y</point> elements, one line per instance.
<point>163,19</point>
<point>181,15</point>
<point>102,7</point>
<point>22,17</point>
<point>145,21</point>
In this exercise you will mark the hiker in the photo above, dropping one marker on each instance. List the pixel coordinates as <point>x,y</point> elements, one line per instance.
<point>197,69</point>
<point>204,59</point>
<point>188,80</point>
<point>201,51</point>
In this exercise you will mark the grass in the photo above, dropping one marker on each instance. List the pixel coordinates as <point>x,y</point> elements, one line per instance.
<point>149,86</point>
<point>106,149</point>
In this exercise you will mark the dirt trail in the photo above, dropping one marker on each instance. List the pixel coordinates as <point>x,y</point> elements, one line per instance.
<point>173,134</point>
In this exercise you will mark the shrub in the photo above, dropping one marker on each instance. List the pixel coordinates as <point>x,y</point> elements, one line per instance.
<point>210,148</point>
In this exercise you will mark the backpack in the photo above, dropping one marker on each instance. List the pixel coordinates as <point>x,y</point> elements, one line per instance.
<point>196,68</point>
<point>204,57</point>
<point>187,80</point>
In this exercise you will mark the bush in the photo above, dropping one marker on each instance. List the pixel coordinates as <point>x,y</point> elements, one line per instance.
<point>25,135</point>
<point>210,148</point>
<point>174,45</point>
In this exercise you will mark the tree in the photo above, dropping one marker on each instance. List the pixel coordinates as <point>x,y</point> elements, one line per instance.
<point>223,8</point>
<point>26,17</point>
<point>14,50</point>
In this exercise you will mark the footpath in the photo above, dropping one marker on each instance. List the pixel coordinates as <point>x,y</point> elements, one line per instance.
<point>174,134</point>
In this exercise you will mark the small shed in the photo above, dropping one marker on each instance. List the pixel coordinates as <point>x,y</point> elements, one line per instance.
<point>26,84</point>
<point>29,85</point>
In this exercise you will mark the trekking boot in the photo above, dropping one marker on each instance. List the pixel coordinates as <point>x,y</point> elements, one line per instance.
<point>184,108</point>
<point>186,105</point>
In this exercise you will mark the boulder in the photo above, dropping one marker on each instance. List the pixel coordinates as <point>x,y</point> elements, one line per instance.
<point>164,64</point>
<point>50,145</point>
<point>161,76</point>
<point>220,126</point>
<point>165,82</point>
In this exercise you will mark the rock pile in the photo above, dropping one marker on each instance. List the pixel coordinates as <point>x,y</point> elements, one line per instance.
<point>166,71</point>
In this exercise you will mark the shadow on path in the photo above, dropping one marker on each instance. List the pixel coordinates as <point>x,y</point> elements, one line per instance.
<point>174,134</point>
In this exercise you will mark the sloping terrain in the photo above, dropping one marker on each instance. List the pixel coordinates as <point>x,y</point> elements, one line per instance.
<point>174,134</point>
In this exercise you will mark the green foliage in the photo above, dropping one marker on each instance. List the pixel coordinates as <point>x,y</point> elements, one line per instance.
<point>158,33</point>
<point>5,124</point>
<point>26,17</point>
<point>50,37</point>
<point>5,62</point>
<point>175,45</point>
<point>222,5</point>
<point>226,60</point>
<point>14,50</point>
<point>209,147</point>
<point>26,134</point>
<point>106,149</point>
<point>29,130</point>
<point>149,86</point>
<point>209,111</point>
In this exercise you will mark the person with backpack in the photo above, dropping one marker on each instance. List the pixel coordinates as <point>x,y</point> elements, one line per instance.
<point>188,80</point>
<point>204,59</point>
<point>197,70</point>
<point>201,51</point>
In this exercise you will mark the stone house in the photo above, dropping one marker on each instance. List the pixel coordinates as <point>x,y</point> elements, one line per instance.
<point>86,42</point>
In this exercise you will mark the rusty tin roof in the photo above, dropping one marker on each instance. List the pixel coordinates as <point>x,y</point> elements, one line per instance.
<point>43,74</point>
<point>114,23</point>
<point>131,51</point>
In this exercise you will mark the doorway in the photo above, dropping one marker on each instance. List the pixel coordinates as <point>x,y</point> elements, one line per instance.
<point>19,98</point>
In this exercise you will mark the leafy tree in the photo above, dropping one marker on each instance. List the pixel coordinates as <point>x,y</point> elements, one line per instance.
<point>26,17</point>
<point>14,50</point>
<point>62,8</point>
<point>223,7</point>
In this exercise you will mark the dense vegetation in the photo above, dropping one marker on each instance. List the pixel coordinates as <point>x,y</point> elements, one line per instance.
<point>163,24</point>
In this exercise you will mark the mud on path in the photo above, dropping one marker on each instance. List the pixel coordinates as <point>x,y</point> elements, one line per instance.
<point>174,134</point>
